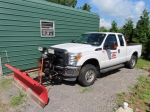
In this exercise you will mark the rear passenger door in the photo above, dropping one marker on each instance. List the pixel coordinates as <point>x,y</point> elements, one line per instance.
<point>122,49</point>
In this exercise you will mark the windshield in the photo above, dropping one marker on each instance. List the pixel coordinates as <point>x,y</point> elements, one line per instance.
<point>93,39</point>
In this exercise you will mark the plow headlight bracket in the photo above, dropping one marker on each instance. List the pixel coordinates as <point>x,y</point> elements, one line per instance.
<point>42,49</point>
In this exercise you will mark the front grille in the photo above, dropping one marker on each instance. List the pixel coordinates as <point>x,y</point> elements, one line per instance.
<point>61,57</point>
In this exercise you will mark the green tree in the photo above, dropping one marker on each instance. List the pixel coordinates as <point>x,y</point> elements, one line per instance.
<point>141,32</point>
<point>148,44</point>
<point>128,29</point>
<point>114,27</point>
<point>70,3</point>
<point>121,30</point>
<point>86,7</point>
<point>103,29</point>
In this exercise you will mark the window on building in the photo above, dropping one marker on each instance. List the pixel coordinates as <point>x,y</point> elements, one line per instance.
<point>47,28</point>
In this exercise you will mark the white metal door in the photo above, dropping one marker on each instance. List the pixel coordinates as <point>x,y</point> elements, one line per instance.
<point>110,58</point>
<point>110,55</point>
<point>122,49</point>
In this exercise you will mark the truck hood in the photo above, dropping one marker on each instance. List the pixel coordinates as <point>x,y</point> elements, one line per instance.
<point>75,47</point>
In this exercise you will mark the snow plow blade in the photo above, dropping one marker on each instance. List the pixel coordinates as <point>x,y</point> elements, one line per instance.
<point>34,90</point>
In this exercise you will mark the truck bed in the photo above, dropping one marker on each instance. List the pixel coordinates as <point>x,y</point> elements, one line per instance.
<point>133,47</point>
<point>132,44</point>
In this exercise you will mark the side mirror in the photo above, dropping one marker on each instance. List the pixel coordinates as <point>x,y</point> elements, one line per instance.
<point>111,46</point>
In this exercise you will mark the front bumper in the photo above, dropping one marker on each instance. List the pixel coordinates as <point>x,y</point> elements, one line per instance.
<point>69,71</point>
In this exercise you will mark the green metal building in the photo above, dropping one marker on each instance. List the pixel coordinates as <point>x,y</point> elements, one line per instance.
<point>27,24</point>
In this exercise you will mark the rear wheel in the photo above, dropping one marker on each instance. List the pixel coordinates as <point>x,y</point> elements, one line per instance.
<point>87,75</point>
<point>132,62</point>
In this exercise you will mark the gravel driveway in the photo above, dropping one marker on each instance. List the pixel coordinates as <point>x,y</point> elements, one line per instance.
<point>70,97</point>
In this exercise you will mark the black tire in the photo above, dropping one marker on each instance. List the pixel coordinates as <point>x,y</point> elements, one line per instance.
<point>131,64</point>
<point>87,75</point>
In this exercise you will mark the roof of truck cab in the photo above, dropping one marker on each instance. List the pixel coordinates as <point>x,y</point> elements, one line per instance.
<point>103,33</point>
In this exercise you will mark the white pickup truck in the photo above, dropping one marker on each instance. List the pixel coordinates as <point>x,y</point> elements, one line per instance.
<point>89,55</point>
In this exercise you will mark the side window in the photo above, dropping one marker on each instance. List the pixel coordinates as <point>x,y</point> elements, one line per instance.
<point>121,40</point>
<point>111,38</point>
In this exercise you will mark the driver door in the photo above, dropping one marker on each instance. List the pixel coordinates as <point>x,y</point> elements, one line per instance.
<point>110,54</point>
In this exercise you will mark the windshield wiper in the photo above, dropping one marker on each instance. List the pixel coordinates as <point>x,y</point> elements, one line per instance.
<point>83,42</point>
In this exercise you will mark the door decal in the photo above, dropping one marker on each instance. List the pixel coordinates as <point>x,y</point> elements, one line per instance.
<point>113,55</point>
<point>103,52</point>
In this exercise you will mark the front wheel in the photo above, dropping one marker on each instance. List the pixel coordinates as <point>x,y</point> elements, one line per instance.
<point>132,62</point>
<point>87,75</point>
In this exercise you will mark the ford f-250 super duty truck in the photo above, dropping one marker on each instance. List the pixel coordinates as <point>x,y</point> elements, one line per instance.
<point>89,55</point>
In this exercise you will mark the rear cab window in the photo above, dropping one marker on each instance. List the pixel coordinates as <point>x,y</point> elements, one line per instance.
<point>121,41</point>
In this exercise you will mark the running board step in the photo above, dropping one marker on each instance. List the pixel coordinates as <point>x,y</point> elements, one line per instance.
<point>111,68</point>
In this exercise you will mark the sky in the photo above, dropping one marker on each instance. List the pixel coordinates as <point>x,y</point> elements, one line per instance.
<point>116,10</point>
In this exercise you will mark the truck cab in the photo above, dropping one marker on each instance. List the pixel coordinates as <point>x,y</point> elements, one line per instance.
<point>89,55</point>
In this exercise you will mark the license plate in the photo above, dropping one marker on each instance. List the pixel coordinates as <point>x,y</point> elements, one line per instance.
<point>51,51</point>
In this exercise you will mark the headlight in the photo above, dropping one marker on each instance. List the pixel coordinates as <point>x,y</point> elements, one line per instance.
<point>74,58</point>
<point>40,49</point>
<point>51,51</point>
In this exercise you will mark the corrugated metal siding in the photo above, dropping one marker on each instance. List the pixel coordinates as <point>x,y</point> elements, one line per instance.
<point>20,28</point>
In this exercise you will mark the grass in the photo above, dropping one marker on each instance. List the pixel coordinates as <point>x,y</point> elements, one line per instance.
<point>5,83</point>
<point>1,105</point>
<point>13,101</point>
<point>120,97</point>
<point>142,64</point>
<point>17,100</point>
<point>86,89</point>
<point>139,97</point>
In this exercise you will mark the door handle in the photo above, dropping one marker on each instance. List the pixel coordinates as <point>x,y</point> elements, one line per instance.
<point>118,50</point>
<point>98,49</point>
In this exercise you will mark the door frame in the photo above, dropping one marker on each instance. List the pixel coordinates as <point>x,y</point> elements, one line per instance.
<point>111,55</point>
